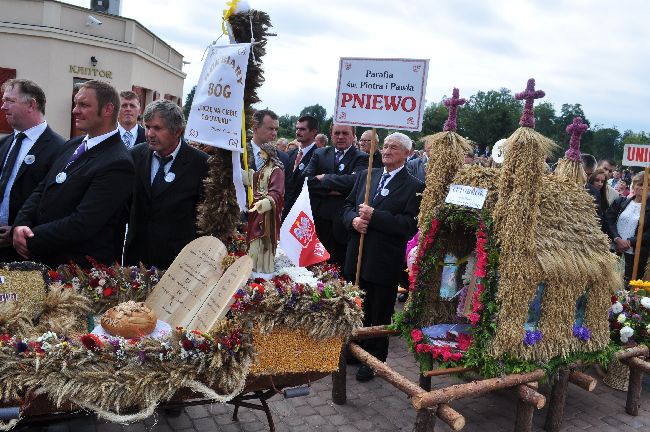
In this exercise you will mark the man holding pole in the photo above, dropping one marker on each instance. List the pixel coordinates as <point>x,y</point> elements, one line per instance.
<point>386,223</point>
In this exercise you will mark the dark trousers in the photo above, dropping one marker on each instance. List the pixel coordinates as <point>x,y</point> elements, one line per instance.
<point>378,307</point>
<point>629,265</point>
<point>325,232</point>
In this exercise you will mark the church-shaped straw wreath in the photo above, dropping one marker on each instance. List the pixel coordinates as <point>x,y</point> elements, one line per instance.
<point>521,284</point>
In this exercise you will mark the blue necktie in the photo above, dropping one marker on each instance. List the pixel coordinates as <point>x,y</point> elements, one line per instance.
<point>159,178</point>
<point>382,182</point>
<point>126,139</point>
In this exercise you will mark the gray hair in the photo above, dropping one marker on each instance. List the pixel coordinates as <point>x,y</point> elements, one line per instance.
<point>169,113</point>
<point>401,138</point>
<point>322,137</point>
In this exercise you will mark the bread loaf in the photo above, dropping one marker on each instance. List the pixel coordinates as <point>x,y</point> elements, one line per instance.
<point>129,320</point>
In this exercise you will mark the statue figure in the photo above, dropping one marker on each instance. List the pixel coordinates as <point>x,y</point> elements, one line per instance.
<point>263,228</point>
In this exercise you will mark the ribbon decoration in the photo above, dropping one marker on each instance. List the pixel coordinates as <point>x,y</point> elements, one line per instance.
<point>232,6</point>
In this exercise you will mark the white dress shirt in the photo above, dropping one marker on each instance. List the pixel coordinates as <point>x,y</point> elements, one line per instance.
<point>155,163</point>
<point>32,135</point>
<point>134,134</point>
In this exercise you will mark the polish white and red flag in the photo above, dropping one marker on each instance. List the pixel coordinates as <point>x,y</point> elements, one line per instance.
<point>298,237</point>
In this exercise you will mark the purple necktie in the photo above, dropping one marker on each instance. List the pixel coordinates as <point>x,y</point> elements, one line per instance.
<point>77,153</point>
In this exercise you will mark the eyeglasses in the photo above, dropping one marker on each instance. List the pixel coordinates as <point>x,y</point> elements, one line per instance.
<point>364,140</point>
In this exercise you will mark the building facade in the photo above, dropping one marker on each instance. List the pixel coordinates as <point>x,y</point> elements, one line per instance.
<point>58,45</point>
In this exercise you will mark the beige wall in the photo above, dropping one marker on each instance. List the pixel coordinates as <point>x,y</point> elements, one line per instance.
<point>46,54</point>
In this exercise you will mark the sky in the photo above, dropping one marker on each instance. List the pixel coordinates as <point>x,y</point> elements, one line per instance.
<point>594,53</point>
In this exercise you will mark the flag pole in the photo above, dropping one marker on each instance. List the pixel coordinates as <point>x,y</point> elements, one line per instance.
<point>373,144</point>
<point>639,233</point>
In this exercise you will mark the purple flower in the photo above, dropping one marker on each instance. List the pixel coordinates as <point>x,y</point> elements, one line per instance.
<point>532,337</point>
<point>581,332</point>
<point>21,347</point>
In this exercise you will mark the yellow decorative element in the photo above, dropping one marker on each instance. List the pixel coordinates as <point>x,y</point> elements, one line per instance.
<point>285,350</point>
<point>638,283</point>
<point>249,188</point>
<point>232,6</point>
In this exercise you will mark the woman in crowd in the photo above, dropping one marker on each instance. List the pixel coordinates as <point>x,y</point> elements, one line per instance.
<point>597,180</point>
<point>622,222</point>
<point>622,189</point>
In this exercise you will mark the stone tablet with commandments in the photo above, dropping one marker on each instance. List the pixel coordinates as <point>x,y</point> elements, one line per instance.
<point>195,292</point>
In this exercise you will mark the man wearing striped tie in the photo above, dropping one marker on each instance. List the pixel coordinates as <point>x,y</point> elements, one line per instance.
<point>78,210</point>
<point>127,120</point>
<point>388,221</point>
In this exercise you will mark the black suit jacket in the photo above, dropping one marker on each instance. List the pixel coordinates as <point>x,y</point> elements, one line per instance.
<point>45,151</point>
<point>81,216</point>
<point>293,180</point>
<point>141,136</point>
<point>161,225</point>
<point>324,204</point>
<point>393,223</point>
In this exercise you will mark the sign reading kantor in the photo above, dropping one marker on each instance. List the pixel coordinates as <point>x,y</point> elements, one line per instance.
<point>384,93</point>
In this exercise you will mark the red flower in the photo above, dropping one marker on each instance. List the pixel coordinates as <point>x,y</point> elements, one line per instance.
<point>464,341</point>
<point>417,335</point>
<point>614,299</point>
<point>473,318</point>
<point>187,345</point>
<point>54,276</point>
<point>204,346</point>
<point>91,342</point>
<point>257,287</point>
<point>94,283</point>
<point>108,291</point>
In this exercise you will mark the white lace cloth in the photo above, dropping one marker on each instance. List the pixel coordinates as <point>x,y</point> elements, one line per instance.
<point>628,221</point>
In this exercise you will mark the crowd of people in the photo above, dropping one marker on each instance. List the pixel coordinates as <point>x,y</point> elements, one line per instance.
<point>128,192</point>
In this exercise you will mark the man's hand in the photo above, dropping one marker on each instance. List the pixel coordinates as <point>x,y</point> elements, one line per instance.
<point>256,207</point>
<point>360,225</point>
<point>5,238</point>
<point>21,234</point>
<point>365,212</point>
<point>622,245</point>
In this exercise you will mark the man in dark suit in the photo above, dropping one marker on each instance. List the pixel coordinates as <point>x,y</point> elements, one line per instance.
<point>331,173</point>
<point>294,173</point>
<point>388,222</point>
<point>265,129</point>
<point>127,120</point>
<point>76,210</point>
<point>26,155</point>
<point>365,144</point>
<point>167,189</point>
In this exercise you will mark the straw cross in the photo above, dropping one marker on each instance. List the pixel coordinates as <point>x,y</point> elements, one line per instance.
<point>452,104</point>
<point>576,129</point>
<point>529,95</point>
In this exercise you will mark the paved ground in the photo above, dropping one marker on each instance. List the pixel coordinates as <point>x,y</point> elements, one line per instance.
<point>377,406</point>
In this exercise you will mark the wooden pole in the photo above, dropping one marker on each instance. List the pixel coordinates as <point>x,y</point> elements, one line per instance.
<point>373,332</point>
<point>528,401</point>
<point>639,231</point>
<point>373,144</point>
<point>475,388</point>
<point>425,420</point>
<point>556,404</point>
<point>444,411</point>
<point>638,363</point>
<point>636,351</point>
<point>582,380</point>
<point>633,400</point>
<point>448,371</point>
<point>339,380</point>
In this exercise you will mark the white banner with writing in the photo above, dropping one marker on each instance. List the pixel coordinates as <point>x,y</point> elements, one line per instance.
<point>216,115</point>
<point>381,93</point>
<point>636,155</point>
<point>467,196</point>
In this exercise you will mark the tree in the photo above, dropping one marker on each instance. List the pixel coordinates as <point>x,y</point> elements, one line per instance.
<point>319,112</point>
<point>188,102</point>
<point>435,115</point>
<point>287,126</point>
<point>489,116</point>
<point>604,143</point>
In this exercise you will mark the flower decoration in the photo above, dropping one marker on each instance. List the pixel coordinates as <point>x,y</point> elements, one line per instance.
<point>532,337</point>
<point>581,332</point>
<point>629,315</point>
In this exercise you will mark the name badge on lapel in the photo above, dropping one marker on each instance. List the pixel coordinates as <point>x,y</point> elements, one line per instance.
<point>61,177</point>
<point>301,166</point>
<point>29,159</point>
<point>169,177</point>
<point>341,167</point>
<point>384,192</point>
